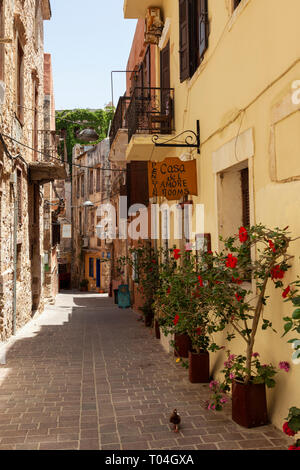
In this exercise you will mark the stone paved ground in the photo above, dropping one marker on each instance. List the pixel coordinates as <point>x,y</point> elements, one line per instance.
<point>87,375</point>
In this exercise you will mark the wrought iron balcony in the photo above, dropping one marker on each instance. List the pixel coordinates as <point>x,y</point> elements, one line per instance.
<point>147,111</point>
<point>151,111</point>
<point>119,120</point>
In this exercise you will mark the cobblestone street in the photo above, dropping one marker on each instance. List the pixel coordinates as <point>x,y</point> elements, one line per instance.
<point>87,375</point>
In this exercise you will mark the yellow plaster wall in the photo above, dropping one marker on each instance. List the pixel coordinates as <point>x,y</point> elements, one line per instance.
<point>248,70</point>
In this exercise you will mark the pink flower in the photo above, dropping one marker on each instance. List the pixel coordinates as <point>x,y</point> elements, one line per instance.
<point>284,366</point>
<point>213,407</point>
<point>223,400</point>
<point>213,383</point>
<point>228,364</point>
<point>231,376</point>
<point>255,355</point>
<point>231,357</point>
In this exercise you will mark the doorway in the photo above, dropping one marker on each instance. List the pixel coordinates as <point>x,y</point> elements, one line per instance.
<point>98,273</point>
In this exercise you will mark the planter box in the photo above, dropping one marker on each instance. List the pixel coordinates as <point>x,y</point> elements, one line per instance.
<point>199,367</point>
<point>249,404</point>
<point>182,345</point>
<point>165,342</point>
<point>156,329</point>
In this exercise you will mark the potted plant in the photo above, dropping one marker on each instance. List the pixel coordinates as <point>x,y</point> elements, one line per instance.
<point>185,313</point>
<point>84,285</point>
<point>291,293</point>
<point>238,296</point>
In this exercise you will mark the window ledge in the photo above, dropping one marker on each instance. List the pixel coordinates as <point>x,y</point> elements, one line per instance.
<point>237,12</point>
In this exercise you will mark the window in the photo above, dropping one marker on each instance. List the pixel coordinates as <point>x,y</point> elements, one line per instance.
<point>19,196</point>
<point>193,35</point>
<point>19,261</point>
<point>20,82</point>
<point>35,140</point>
<point>2,34</point>
<point>236,3</point>
<point>245,197</point>
<point>98,180</point>
<point>80,223</point>
<point>91,267</point>
<point>91,182</point>
<point>82,186</point>
<point>78,187</point>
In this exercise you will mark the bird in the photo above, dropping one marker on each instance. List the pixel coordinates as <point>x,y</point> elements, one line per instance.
<point>175,419</point>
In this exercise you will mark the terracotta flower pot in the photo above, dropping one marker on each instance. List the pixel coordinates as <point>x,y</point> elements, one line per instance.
<point>148,319</point>
<point>182,345</point>
<point>199,367</point>
<point>249,404</point>
<point>157,330</point>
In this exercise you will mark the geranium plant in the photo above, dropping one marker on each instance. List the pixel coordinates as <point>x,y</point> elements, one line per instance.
<point>292,426</point>
<point>181,302</point>
<point>239,283</point>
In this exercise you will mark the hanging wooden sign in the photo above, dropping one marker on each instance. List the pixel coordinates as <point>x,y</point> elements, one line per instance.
<point>172,178</point>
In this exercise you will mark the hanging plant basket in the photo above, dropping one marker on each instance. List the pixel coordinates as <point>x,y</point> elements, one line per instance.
<point>199,367</point>
<point>249,404</point>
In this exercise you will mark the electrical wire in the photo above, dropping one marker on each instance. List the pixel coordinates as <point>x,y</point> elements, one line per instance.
<point>50,156</point>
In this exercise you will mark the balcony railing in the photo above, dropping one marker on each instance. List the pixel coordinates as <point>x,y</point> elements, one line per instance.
<point>147,111</point>
<point>151,111</point>
<point>119,120</point>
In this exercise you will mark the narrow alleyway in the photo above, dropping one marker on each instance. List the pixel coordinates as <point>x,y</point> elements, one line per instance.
<point>87,375</point>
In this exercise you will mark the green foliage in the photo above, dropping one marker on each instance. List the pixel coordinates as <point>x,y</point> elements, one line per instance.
<point>74,121</point>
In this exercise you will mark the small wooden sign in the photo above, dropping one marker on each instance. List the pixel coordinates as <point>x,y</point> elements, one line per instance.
<point>172,178</point>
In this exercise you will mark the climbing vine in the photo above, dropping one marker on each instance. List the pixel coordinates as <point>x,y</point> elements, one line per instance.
<point>73,121</point>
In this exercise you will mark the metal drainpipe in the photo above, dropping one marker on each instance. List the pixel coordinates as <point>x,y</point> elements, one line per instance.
<point>15,242</point>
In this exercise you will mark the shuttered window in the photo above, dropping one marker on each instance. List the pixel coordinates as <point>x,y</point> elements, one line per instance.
<point>236,3</point>
<point>245,197</point>
<point>184,43</point>
<point>193,35</point>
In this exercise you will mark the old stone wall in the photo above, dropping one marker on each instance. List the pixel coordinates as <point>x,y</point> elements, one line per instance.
<point>22,22</point>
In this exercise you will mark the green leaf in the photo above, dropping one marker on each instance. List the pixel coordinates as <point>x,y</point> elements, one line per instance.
<point>288,327</point>
<point>296,314</point>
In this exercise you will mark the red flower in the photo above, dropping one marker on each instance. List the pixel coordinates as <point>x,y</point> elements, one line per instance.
<point>286,292</point>
<point>169,290</point>
<point>277,272</point>
<point>272,246</point>
<point>200,281</point>
<point>231,261</point>
<point>176,253</point>
<point>196,294</point>
<point>239,298</point>
<point>150,270</point>
<point>243,235</point>
<point>154,261</point>
<point>199,331</point>
<point>176,320</point>
<point>294,448</point>
<point>237,281</point>
<point>287,430</point>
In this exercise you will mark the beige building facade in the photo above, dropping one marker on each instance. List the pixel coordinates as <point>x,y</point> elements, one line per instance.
<point>230,70</point>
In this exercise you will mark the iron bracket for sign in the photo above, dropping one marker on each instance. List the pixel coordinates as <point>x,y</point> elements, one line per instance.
<point>191,141</point>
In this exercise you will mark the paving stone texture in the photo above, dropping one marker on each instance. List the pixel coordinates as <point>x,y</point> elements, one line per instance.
<point>87,375</point>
